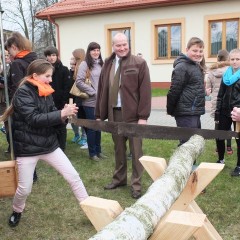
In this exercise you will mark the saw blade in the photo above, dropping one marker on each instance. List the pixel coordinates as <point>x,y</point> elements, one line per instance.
<point>153,131</point>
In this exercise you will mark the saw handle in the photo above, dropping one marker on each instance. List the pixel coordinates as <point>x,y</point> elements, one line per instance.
<point>237,127</point>
<point>70,102</point>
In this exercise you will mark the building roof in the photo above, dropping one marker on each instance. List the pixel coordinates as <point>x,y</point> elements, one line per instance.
<point>66,8</point>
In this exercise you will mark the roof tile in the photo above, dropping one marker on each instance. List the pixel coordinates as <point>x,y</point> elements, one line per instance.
<point>66,8</point>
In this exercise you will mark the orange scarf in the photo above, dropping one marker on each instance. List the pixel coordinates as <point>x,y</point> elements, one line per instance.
<point>22,54</point>
<point>44,89</point>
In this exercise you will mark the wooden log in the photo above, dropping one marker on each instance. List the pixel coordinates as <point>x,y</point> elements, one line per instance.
<point>8,178</point>
<point>181,225</point>
<point>100,211</point>
<point>139,221</point>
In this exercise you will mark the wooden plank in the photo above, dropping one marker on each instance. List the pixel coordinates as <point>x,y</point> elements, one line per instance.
<point>207,231</point>
<point>198,181</point>
<point>155,166</point>
<point>180,225</point>
<point>100,211</point>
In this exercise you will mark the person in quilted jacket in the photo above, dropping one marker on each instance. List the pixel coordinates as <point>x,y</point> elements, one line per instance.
<point>35,119</point>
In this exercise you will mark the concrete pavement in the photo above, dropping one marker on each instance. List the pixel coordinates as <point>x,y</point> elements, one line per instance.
<point>159,114</point>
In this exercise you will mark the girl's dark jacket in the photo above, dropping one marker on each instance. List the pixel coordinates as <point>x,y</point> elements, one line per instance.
<point>228,98</point>
<point>187,92</point>
<point>18,70</point>
<point>34,122</point>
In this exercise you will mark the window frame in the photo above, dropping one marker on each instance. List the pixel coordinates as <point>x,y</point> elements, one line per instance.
<point>218,18</point>
<point>118,26</point>
<point>165,22</point>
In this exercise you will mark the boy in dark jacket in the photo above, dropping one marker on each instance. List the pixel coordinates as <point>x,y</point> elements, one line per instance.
<point>61,83</point>
<point>186,97</point>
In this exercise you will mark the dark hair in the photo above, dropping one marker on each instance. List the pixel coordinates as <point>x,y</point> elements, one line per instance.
<point>39,66</point>
<point>21,42</point>
<point>223,55</point>
<point>88,58</point>
<point>51,50</point>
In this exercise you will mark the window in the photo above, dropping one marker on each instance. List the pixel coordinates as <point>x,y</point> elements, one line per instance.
<point>168,39</point>
<point>111,30</point>
<point>223,35</point>
<point>221,32</point>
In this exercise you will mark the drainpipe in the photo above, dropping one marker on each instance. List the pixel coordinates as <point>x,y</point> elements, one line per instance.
<point>58,37</point>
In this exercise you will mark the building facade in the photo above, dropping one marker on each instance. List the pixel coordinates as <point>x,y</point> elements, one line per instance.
<point>159,29</point>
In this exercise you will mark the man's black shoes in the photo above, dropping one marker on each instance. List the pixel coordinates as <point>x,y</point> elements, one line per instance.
<point>113,186</point>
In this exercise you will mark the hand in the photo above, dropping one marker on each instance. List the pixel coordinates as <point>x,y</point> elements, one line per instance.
<point>69,110</point>
<point>142,121</point>
<point>1,85</point>
<point>208,91</point>
<point>235,114</point>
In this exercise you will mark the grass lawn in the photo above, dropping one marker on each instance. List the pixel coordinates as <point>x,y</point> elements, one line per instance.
<point>157,92</point>
<point>52,212</point>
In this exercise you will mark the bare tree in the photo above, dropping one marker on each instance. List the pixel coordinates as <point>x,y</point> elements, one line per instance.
<point>19,15</point>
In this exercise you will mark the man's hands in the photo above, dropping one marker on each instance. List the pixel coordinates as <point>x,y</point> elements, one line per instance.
<point>142,121</point>
<point>235,114</point>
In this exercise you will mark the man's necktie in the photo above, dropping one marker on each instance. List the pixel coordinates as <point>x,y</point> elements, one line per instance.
<point>115,87</point>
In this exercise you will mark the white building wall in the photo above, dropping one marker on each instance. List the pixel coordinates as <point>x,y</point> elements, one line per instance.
<point>78,31</point>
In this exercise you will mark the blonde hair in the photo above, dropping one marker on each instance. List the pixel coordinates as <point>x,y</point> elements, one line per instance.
<point>79,56</point>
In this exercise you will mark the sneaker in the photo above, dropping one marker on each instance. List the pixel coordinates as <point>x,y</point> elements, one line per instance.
<point>14,219</point>
<point>229,151</point>
<point>3,130</point>
<point>82,142</point>
<point>236,172</point>
<point>76,139</point>
<point>221,161</point>
<point>95,158</point>
<point>84,146</point>
<point>101,156</point>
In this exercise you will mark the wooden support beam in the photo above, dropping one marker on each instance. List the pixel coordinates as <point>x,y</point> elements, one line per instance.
<point>199,180</point>
<point>100,211</point>
<point>180,225</point>
<point>155,166</point>
<point>207,231</point>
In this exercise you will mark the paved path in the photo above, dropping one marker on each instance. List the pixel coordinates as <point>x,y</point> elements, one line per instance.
<point>159,116</point>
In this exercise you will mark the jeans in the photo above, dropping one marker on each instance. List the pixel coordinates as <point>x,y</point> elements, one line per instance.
<point>93,136</point>
<point>189,122</point>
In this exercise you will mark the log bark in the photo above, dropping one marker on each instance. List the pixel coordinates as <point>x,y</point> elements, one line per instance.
<point>138,221</point>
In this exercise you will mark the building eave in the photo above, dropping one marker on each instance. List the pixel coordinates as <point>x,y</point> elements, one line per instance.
<point>55,11</point>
